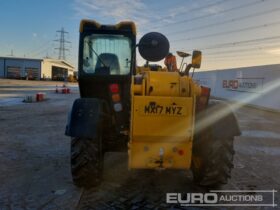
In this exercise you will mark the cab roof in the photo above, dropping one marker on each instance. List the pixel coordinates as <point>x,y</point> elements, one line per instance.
<point>124,25</point>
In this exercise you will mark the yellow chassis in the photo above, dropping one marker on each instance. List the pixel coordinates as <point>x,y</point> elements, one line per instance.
<point>162,120</point>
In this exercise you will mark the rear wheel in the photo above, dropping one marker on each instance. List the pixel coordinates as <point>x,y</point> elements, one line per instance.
<point>86,161</point>
<point>213,168</point>
<point>213,150</point>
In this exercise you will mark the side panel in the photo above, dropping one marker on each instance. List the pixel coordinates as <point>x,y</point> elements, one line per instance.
<point>161,133</point>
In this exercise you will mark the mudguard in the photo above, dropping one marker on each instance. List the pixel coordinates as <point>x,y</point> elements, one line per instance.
<point>227,124</point>
<point>86,118</point>
<point>220,117</point>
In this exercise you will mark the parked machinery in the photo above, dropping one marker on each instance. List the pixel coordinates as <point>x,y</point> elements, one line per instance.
<point>163,119</point>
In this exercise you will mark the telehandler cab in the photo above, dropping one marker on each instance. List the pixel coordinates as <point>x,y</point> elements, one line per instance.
<point>163,119</point>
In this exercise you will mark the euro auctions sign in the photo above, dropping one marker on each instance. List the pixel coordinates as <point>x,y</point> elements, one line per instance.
<point>244,84</point>
<point>264,198</point>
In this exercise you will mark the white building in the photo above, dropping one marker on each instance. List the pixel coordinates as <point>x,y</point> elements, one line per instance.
<point>19,68</point>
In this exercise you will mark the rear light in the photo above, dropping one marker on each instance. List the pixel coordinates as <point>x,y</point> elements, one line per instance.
<point>116,98</point>
<point>205,91</point>
<point>118,107</point>
<point>181,152</point>
<point>114,88</point>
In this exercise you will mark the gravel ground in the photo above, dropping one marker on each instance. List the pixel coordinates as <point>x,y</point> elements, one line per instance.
<point>35,167</point>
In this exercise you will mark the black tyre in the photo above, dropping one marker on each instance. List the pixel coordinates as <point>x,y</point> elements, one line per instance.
<point>86,162</point>
<point>213,149</point>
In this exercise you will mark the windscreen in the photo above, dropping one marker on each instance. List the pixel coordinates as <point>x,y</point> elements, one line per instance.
<point>107,54</point>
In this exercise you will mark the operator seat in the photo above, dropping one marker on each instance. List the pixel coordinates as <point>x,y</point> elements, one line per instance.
<point>110,60</point>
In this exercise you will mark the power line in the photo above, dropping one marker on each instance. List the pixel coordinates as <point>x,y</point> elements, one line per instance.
<point>30,52</point>
<point>244,42</point>
<point>251,58</point>
<point>45,49</point>
<point>238,51</point>
<point>238,43</point>
<point>229,32</point>
<point>209,15</point>
<point>224,22</point>
<point>245,54</point>
<point>230,57</point>
<point>203,7</point>
<point>192,10</point>
<point>62,44</point>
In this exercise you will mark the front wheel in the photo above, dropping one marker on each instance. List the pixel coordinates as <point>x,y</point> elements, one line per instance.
<point>86,161</point>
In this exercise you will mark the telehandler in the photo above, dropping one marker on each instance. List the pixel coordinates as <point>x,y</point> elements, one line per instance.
<point>163,119</point>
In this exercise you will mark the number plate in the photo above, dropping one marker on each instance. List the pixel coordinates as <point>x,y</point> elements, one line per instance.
<point>156,109</point>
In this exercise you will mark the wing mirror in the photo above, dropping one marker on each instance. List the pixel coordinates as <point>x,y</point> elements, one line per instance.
<point>196,59</point>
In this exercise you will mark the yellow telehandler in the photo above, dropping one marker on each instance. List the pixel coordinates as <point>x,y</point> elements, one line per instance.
<point>163,119</point>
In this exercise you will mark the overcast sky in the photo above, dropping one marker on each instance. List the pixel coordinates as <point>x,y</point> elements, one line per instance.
<point>230,33</point>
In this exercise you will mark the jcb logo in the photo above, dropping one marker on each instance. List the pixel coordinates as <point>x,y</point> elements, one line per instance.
<point>153,108</point>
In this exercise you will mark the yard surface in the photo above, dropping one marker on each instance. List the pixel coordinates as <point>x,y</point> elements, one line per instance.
<point>35,163</point>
